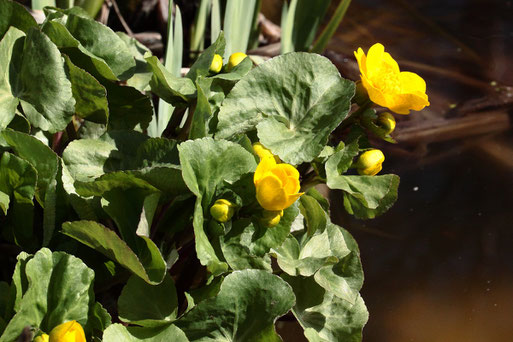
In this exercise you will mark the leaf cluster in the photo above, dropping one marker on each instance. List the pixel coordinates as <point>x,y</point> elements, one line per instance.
<point>105,213</point>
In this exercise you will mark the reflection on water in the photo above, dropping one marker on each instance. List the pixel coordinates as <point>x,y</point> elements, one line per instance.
<point>439,265</point>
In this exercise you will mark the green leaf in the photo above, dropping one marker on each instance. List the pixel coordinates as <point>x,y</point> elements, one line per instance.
<point>206,164</point>
<point>172,89</point>
<point>129,108</point>
<point>295,101</point>
<point>118,332</point>
<point>13,14</point>
<point>78,54</point>
<point>142,75</point>
<point>90,95</point>
<point>245,309</point>
<point>59,290</point>
<point>47,103</point>
<point>99,319</point>
<point>148,305</point>
<point>103,43</point>
<point>377,193</point>
<point>105,241</point>
<point>11,48</point>
<point>326,247</point>
<point>339,162</point>
<point>88,159</point>
<point>42,158</point>
<point>17,179</point>
<point>356,207</point>
<point>314,214</point>
<point>325,317</point>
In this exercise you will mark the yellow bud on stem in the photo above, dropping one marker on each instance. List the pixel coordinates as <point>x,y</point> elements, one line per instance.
<point>222,210</point>
<point>370,162</point>
<point>67,332</point>
<point>235,60</point>
<point>386,121</point>
<point>42,338</point>
<point>217,64</point>
<point>271,218</point>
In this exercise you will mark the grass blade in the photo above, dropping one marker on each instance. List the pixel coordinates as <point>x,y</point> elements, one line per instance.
<point>198,28</point>
<point>238,21</point>
<point>332,26</point>
<point>39,4</point>
<point>287,26</point>
<point>215,20</point>
<point>173,63</point>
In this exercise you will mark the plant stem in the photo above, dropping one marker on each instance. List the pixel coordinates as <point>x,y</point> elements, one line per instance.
<point>355,116</point>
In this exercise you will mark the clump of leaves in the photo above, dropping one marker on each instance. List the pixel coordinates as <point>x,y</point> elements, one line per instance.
<point>105,213</point>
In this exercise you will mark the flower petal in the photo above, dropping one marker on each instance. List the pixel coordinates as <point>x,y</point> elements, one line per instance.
<point>292,198</point>
<point>411,82</point>
<point>375,94</point>
<point>403,103</point>
<point>362,60</point>
<point>375,60</point>
<point>266,164</point>
<point>292,185</point>
<point>270,193</point>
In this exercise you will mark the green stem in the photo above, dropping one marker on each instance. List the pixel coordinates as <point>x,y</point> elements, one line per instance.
<point>355,116</point>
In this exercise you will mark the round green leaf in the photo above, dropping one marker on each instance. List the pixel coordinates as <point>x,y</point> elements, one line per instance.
<point>118,332</point>
<point>148,305</point>
<point>245,309</point>
<point>295,101</point>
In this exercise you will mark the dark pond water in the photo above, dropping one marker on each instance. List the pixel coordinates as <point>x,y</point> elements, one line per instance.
<point>439,265</point>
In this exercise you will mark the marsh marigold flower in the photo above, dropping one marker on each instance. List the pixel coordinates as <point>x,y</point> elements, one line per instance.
<point>67,332</point>
<point>400,91</point>
<point>277,185</point>
<point>370,162</point>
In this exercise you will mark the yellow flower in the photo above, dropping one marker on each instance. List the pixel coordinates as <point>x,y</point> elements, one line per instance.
<point>42,338</point>
<point>67,332</point>
<point>217,64</point>
<point>387,85</point>
<point>271,218</point>
<point>235,60</point>
<point>277,185</point>
<point>370,162</point>
<point>222,210</point>
<point>387,122</point>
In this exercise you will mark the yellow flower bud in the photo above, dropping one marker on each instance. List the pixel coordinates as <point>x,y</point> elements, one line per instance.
<point>271,218</point>
<point>217,64</point>
<point>387,122</point>
<point>387,86</point>
<point>222,210</point>
<point>42,338</point>
<point>277,185</point>
<point>370,162</point>
<point>67,332</point>
<point>235,60</point>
